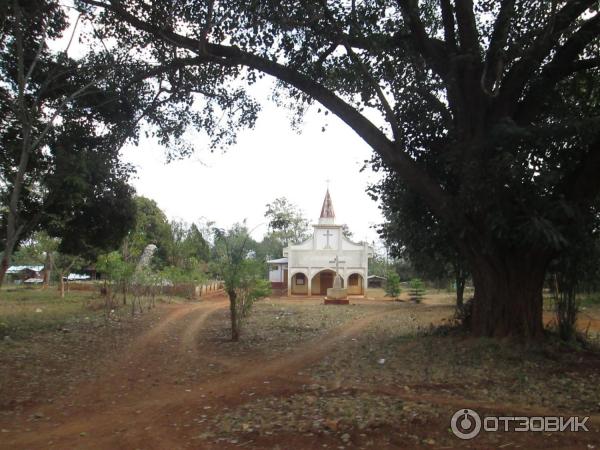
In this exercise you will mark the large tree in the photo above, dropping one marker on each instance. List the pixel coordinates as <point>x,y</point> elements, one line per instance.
<point>151,227</point>
<point>411,232</point>
<point>287,223</point>
<point>56,110</point>
<point>486,109</point>
<point>59,169</point>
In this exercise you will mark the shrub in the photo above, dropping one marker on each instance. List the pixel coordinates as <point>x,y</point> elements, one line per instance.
<point>417,290</point>
<point>392,287</point>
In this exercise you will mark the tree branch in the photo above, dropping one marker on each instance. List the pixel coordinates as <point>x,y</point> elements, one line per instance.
<point>494,61</point>
<point>561,66</point>
<point>230,56</point>
<point>434,52</point>
<point>389,112</point>
<point>522,71</point>
<point>467,27</point>
<point>449,25</point>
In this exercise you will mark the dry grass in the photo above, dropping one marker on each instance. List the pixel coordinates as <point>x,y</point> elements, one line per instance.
<point>25,311</point>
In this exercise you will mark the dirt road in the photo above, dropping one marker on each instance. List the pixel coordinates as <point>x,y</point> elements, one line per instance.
<point>142,397</point>
<point>165,387</point>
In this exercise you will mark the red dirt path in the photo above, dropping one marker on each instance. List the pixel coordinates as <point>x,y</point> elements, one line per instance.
<point>145,395</point>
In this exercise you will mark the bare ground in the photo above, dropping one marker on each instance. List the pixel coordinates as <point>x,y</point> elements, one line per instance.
<point>305,376</point>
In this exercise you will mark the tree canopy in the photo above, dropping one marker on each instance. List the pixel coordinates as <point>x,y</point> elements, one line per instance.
<point>411,232</point>
<point>487,110</point>
<point>287,223</point>
<point>62,123</point>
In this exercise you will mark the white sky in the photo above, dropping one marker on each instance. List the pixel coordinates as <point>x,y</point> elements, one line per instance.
<point>272,160</point>
<point>269,161</point>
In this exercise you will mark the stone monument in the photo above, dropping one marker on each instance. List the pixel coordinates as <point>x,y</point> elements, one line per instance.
<point>146,257</point>
<point>337,295</point>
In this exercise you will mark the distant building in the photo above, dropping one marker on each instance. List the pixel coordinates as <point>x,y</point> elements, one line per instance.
<point>278,273</point>
<point>18,274</point>
<point>375,281</point>
<point>309,268</point>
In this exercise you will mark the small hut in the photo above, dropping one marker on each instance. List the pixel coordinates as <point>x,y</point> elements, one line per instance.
<point>375,281</point>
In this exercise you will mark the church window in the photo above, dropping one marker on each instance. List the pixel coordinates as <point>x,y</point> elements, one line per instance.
<point>300,279</point>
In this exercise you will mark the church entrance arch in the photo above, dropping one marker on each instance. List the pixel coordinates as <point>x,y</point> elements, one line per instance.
<point>355,284</point>
<point>322,281</point>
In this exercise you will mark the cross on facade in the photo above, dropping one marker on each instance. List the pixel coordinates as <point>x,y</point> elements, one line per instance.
<point>327,236</point>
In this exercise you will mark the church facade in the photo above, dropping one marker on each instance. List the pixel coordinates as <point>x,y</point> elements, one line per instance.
<point>309,268</point>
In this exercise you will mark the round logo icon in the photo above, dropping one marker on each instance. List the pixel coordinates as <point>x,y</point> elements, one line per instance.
<point>465,424</point>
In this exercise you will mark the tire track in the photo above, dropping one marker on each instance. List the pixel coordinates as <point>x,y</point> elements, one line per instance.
<point>152,408</point>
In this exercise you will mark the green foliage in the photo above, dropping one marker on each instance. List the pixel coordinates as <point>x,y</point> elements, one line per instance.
<point>34,249</point>
<point>243,275</point>
<point>151,227</point>
<point>115,269</point>
<point>378,265</point>
<point>381,265</point>
<point>61,129</point>
<point>231,256</point>
<point>392,286</point>
<point>589,299</point>
<point>270,247</point>
<point>63,262</point>
<point>251,287</point>
<point>417,290</point>
<point>191,274</point>
<point>286,223</point>
<point>487,110</point>
<point>186,247</point>
<point>412,233</point>
<point>575,271</point>
<point>182,251</point>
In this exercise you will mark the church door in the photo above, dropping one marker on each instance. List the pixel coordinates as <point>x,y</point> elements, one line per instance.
<point>326,282</point>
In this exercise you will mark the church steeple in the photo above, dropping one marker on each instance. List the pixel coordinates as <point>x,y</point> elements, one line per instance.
<point>327,214</point>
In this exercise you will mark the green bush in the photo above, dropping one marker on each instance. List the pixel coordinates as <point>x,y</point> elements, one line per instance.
<point>392,287</point>
<point>417,290</point>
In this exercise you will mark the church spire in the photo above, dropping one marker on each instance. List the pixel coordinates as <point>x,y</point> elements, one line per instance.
<point>327,214</point>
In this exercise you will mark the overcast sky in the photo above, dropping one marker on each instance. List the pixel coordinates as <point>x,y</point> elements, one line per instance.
<point>272,160</point>
<point>269,161</point>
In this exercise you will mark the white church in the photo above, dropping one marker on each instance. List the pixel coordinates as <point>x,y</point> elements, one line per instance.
<point>309,268</point>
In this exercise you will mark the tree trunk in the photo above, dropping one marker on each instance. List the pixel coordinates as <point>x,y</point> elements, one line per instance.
<point>62,286</point>
<point>235,329</point>
<point>3,267</point>
<point>508,296</point>
<point>11,240</point>
<point>47,270</point>
<point>460,289</point>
